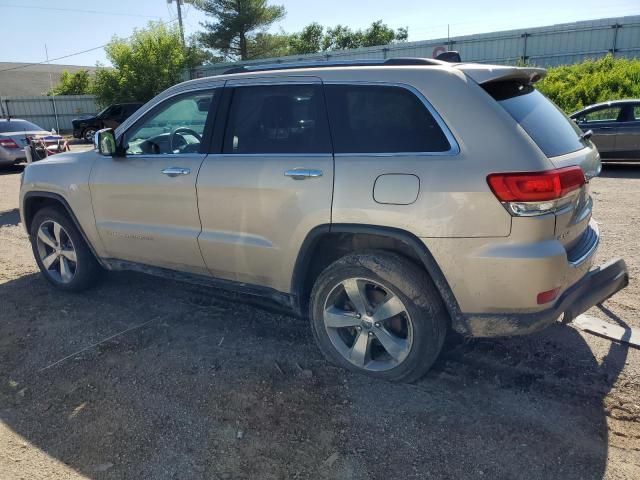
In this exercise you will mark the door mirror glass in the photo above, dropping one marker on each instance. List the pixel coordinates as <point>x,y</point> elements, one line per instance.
<point>105,142</point>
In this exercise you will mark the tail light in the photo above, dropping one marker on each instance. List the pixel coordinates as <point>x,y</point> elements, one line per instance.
<point>536,193</point>
<point>8,143</point>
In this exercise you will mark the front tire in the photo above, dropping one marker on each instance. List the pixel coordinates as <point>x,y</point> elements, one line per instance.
<point>88,134</point>
<point>62,255</point>
<point>377,313</point>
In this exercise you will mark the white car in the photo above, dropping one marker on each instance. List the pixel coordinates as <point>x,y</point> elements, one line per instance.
<point>14,136</point>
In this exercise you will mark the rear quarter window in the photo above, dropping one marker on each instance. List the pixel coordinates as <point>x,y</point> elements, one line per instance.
<point>381,119</point>
<point>550,128</point>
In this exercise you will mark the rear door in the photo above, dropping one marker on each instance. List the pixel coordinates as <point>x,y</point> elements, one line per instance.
<point>270,184</point>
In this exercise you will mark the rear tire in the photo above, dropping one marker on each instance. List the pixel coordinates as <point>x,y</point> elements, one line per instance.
<point>64,258</point>
<point>379,314</point>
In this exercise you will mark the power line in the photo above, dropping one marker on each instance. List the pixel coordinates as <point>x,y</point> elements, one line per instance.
<point>75,10</point>
<point>27,65</point>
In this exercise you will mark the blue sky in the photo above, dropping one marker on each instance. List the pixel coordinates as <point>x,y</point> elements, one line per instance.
<point>27,25</point>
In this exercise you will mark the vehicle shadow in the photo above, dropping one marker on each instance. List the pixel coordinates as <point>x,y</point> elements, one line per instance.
<point>10,217</point>
<point>621,170</point>
<point>200,385</point>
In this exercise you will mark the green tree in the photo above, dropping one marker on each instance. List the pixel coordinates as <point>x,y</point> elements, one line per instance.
<point>314,38</point>
<point>309,40</point>
<point>235,27</point>
<point>79,83</point>
<point>145,64</point>
<point>573,87</point>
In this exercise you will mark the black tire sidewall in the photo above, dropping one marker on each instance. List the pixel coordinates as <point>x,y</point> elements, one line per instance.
<point>414,288</point>
<point>87,269</point>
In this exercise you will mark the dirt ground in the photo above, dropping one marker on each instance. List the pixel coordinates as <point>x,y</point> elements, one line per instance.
<point>209,386</point>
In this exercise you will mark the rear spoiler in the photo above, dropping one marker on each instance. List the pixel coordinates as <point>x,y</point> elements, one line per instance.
<point>491,73</point>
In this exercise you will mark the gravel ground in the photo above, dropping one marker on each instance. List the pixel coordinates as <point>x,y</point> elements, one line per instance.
<point>206,385</point>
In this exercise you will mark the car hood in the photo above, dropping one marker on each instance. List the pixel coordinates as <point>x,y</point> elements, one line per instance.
<point>84,118</point>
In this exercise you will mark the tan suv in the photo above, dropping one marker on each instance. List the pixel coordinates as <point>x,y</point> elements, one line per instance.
<point>387,201</point>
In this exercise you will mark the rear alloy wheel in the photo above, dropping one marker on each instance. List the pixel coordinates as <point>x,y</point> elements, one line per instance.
<point>368,324</point>
<point>61,252</point>
<point>88,135</point>
<point>378,313</point>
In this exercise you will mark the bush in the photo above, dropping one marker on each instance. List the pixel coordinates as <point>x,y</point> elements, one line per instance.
<point>573,87</point>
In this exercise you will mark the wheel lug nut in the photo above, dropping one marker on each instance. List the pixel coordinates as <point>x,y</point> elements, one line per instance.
<point>358,328</point>
<point>358,316</point>
<point>371,334</point>
<point>377,324</point>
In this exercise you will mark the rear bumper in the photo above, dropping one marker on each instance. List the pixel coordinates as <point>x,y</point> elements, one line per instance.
<point>595,287</point>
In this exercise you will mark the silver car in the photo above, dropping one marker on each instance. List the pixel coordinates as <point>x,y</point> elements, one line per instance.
<point>13,139</point>
<point>615,128</point>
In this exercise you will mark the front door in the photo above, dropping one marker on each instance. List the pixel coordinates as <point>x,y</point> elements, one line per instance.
<point>145,203</point>
<point>603,121</point>
<point>270,185</point>
<point>628,141</point>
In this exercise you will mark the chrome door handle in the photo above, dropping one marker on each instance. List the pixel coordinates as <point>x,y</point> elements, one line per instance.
<point>175,171</point>
<point>303,173</point>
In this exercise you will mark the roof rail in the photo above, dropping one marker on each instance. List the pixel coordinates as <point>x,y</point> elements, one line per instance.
<point>335,63</point>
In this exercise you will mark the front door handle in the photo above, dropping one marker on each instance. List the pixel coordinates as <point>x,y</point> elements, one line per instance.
<point>175,171</point>
<point>303,173</point>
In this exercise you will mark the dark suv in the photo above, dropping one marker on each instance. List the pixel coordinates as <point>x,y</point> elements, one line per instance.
<point>110,117</point>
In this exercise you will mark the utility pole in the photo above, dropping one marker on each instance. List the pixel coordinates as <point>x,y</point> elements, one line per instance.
<point>53,94</point>
<point>179,7</point>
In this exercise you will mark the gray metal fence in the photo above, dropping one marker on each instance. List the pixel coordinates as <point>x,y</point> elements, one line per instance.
<point>43,110</point>
<point>543,46</point>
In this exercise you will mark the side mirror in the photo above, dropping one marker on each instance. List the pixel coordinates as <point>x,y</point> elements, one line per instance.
<point>104,142</point>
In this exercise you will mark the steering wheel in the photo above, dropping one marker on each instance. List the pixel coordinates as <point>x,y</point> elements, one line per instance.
<point>179,131</point>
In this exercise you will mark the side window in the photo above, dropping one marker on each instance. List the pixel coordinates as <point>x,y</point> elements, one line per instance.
<point>381,119</point>
<point>115,111</point>
<point>175,126</point>
<point>636,112</point>
<point>277,119</point>
<point>607,114</point>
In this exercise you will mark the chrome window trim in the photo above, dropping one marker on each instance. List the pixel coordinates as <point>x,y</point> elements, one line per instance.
<point>272,155</point>
<point>455,147</point>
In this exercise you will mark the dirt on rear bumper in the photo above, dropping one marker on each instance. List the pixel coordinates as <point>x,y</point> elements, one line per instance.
<point>595,287</point>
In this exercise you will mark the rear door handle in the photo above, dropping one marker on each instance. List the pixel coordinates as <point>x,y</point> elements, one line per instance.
<point>303,173</point>
<point>175,171</point>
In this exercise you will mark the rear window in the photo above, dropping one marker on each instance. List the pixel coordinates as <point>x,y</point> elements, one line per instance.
<point>18,126</point>
<point>381,119</point>
<point>554,132</point>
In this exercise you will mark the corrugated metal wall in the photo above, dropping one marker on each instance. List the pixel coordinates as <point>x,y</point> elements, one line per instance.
<point>543,46</point>
<point>42,111</point>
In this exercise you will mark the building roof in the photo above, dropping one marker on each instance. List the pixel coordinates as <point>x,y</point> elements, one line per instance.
<point>33,79</point>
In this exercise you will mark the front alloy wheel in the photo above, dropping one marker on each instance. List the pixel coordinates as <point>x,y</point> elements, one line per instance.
<point>89,133</point>
<point>56,251</point>
<point>61,252</point>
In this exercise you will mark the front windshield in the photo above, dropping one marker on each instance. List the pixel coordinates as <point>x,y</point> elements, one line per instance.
<point>103,112</point>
